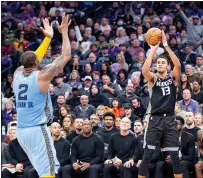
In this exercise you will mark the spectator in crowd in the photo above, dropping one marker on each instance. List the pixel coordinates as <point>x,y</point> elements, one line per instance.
<point>197,94</point>
<point>5,157</point>
<point>186,153</point>
<point>145,96</point>
<point>138,62</point>
<point>179,111</point>
<point>127,55</point>
<point>8,88</point>
<point>183,84</point>
<point>60,101</point>
<point>137,107</point>
<point>190,74</point>
<point>48,59</point>
<point>119,154</point>
<point>96,79</point>
<point>61,145</point>
<point>106,70</point>
<point>86,159</point>
<point>18,159</point>
<point>191,128</point>
<point>95,123</point>
<point>64,111</point>
<point>85,90</point>
<point>75,64</point>
<point>104,25</point>
<point>67,124</point>
<point>194,31</point>
<point>122,79</point>
<point>95,65</point>
<point>88,71</point>
<point>117,122</point>
<point>187,56</point>
<point>135,49</point>
<point>128,112</point>
<point>109,89</point>
<point>101,41</point>
<point>100,111</point>
<point>199,64</point>
<point>8,111</point>
<point>75,80</point>
<point>135,79</point>
<point>78,129</point>
<point>113,49</point>
<point>52,94</point>
<point>11,135</point>
<point>91,38</point>
<point>188,104</point>
<point>122,38</point>
<point>96,98</point>
<point>61,88</point>
<point>199,120</point>
<point>84,109</point>
<point>138,128</point>
<point>120,64</point>
<point>74,99</point>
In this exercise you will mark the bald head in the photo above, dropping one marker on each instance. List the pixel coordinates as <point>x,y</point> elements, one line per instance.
<point>125,124</point>
<point>55,129</point>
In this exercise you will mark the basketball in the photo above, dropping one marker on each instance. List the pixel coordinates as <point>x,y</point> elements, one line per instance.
<point>153,36</point>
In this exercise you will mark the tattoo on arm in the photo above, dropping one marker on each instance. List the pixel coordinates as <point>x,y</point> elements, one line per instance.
<point>52,69</point>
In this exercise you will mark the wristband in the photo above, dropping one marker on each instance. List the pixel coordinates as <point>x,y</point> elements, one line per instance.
<point>165,44</point>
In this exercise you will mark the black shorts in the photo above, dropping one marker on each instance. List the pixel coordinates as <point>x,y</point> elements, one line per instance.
<point>161,131</point>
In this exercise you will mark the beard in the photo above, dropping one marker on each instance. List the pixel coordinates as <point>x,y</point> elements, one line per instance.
<point>108,126</point>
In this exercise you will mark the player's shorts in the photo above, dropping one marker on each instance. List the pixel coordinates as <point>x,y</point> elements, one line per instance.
<point>38,145</point>
<point>161,131</point>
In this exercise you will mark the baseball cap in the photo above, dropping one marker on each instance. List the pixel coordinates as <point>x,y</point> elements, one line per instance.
<point>195,17</point>
<point>127,105</point>
<point>88,78</point>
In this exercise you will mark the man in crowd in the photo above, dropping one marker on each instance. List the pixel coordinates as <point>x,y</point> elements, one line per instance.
<point>87,153</point>
<point>119,154</point>
<point>95,121</point>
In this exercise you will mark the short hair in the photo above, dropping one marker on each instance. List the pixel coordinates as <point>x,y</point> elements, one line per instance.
<point>139,121</point>
<point>28,59</point>
<point>109,114</point>
<point>199,56</point>
<point>180,119</point>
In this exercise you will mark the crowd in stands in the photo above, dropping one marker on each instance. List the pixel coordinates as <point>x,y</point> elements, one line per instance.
<point>102,88</point>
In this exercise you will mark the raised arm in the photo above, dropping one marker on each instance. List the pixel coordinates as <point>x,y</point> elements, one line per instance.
<point>177,66</point>
<point>182,14</point>
<point>51,70</point>
<point>48,31</point>
<point>149,76</point>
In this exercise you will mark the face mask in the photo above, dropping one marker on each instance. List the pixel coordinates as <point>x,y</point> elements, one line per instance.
<point>119,23</point>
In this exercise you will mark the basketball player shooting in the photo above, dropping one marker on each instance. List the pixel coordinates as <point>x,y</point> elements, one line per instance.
<point>162,128</point>
<point>33,103</point>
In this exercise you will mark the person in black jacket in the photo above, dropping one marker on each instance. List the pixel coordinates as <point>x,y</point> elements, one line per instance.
<point>74,99</point>
<point>95,123</point>
<point>96,98</point>
<point>87,153</point>
<point>186,153</point>
<point>120,150</point>
<point>138,108</point>
<point>78,129</point>
<point>19,159</point>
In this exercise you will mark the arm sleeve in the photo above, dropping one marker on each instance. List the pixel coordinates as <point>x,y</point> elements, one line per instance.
<point>99,151</point>
<point>74,152</point>
<point>66,154</point>
<point>41,50</point>
<point>12,154</point>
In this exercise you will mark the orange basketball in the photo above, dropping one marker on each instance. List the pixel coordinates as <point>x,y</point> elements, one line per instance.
<point>153,36</point>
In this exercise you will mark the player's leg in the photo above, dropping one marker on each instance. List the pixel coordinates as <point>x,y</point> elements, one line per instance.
<point>38,145</point>
<point>152,139</point>
<point>171,144</point>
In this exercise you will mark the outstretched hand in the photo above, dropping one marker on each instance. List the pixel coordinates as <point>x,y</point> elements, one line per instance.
<point>48,29</point>
<point>63,28</point>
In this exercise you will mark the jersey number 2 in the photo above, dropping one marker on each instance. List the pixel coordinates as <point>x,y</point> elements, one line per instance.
<point>21,94</point>
<point>166,91</point>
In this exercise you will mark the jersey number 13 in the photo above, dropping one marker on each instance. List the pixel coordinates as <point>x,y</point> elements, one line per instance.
<point>166,91</point>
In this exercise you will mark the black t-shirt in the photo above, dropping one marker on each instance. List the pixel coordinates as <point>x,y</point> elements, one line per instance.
<point>193,131</point>
<point>163,96</point>
<point>121,146</point>
<point>198,97</point>
<point>62,147</point>
<point>71,136</point>
<point>107,134</point>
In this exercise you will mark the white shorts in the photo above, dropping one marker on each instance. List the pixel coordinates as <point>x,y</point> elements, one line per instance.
<point>38,145</point>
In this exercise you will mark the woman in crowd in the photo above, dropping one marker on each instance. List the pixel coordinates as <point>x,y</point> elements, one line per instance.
<point>100,111</point>
<point>67,124</point>
<point>138,63</point>
<point>75,64</point>
<point>64,111</point>
<point>96,98</point>
<point>184,84</point>
<point>122,38</point>
<point>8,112</point>
<point>106,70</point>
<point>11,135</point>
<point>122,79</point>
<point>117,122</point>
<point>75,80</point>
<point>120,64</point>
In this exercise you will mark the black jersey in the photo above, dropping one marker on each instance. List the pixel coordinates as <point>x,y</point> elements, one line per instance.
<point>163,96</point>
